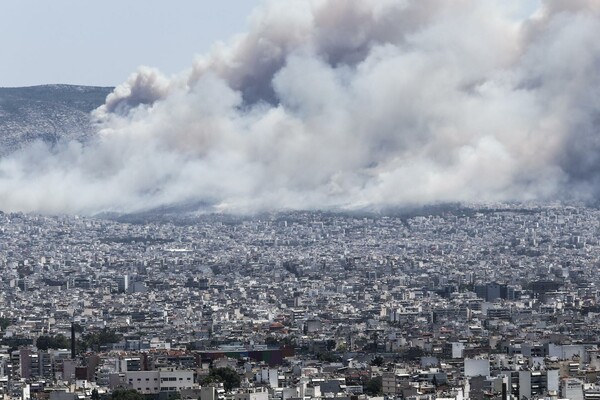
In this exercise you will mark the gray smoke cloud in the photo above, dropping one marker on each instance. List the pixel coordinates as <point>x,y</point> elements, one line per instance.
<point>346,104</point>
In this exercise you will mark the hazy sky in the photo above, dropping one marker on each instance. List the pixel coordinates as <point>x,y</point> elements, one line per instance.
<point>103,42</point>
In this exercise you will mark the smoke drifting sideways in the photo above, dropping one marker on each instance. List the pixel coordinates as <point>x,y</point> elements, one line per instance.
<point>327,104</point>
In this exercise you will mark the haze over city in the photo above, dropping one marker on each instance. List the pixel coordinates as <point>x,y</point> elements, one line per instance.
<point>343,105</point>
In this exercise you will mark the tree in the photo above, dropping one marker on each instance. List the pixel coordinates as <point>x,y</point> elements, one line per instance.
<point>4,323</point>
<point>272,341</point>
<point>374,387</point>
<point>283,341</point>
<point>190,346</point>
<point>94,340</point>
<point>59,341</point>
<point>414,353</point>
<point>227,376</point>
<point>43,342</point>
<point>329,356</point>
<point>377,361</point>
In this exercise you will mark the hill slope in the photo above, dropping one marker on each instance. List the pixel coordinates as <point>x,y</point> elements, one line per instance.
<point>47,112</point>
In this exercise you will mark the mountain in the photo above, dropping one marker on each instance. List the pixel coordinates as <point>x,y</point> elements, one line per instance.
<point>47,113</point>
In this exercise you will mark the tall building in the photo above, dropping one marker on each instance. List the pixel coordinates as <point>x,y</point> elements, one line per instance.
<point>493,291</point>
<point>572,389</point>
<point>123,283</point>
<point>537,383</point>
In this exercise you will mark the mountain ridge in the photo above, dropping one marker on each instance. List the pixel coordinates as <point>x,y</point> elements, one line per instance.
<point>49,113</point>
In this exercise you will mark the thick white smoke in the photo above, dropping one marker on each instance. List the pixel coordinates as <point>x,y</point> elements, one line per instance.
<point>346,104</point>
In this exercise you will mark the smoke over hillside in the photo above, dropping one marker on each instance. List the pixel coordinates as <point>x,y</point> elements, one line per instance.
<point>345,104</point>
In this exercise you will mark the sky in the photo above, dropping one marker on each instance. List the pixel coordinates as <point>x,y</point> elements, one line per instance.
<point>321,104</point>
<point>101,43</point>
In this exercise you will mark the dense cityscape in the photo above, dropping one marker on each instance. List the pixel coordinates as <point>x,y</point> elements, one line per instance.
<point>300,200</point>
<point>496,301</point>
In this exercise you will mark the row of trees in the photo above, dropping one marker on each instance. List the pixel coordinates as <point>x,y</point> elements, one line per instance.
<point>53,342</point>
<point>96,339</point>
<point>91,340</point>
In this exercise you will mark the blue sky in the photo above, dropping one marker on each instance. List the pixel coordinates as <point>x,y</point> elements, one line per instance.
<point>102,42</point>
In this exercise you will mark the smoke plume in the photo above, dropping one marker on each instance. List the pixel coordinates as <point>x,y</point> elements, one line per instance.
<point>346,104</point>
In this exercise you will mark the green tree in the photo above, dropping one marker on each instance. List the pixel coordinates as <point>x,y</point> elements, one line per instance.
<point>43,342</point>
<point>61,342</point>
<point>46,342</point>
<point>191,346</point>
<point>4,323</point>
<point>413,353</point>
<point>227,376</point>
<point>329,356</point>
<point>374,387</point>
<point>271,341</point>
<point>94,340</point>
<point>377,361</point>
<point>284,341</point>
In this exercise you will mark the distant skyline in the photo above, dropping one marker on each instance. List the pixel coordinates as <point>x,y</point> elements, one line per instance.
<point>102,43</point>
